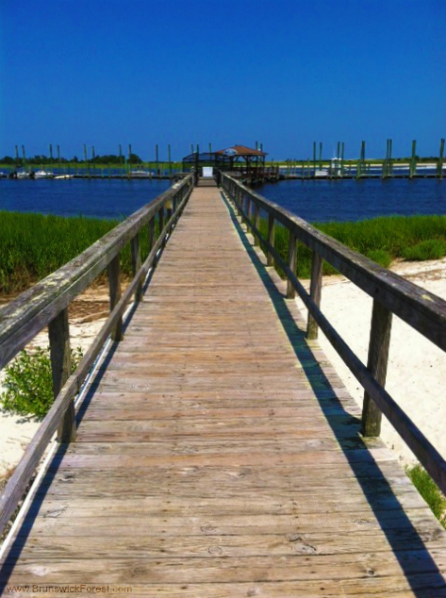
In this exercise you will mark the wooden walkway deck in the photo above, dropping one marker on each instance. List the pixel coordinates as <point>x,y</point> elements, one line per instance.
<point>218,454</point>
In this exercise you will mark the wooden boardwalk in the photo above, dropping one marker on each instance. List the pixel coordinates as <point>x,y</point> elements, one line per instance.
<point>218,454</point>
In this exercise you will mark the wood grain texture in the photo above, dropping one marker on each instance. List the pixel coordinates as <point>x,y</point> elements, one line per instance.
<point>426,453</point>
<point>24,317</point>
<point>16,485</point>
<point>423,310</point>
<point>218,453</point>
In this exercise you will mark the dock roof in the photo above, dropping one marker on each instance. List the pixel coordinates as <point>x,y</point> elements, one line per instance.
<point>240,150</point>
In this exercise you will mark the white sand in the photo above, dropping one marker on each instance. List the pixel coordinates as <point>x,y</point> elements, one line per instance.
<point>15,430</point>
<point>416,373</point>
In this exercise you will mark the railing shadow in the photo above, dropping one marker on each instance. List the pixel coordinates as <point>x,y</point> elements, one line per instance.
<point>373,483</point>
<point>16,547</point>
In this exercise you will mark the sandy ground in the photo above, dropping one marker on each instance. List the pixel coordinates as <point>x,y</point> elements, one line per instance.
<point>416,372</point>
<point>87,315</point>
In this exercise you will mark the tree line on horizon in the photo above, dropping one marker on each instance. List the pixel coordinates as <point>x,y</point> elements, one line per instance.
<point>42,159</point>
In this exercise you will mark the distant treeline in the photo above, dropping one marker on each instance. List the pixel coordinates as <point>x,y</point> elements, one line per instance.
<point>42,159</point>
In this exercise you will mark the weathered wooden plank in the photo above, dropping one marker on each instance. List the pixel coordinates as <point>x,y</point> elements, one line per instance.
<point>227,569</point>
<point>377,365</point>
<point>211,462</point>
<point>423,310</point>
<point>421,585</point>
<point>17,483</point>
<point>24,317</point>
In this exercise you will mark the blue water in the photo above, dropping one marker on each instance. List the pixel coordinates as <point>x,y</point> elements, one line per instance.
<point>325,200</point>
<point>320,200</point>
<point>102,198</point>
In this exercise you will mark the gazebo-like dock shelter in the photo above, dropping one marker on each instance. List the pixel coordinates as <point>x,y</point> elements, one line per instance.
<point>241,161</point>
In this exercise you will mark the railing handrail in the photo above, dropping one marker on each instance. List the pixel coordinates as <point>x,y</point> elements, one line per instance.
<point>422,310</point>
<point>46,304</point>
<point>430,317</point>
<point>32,310</point>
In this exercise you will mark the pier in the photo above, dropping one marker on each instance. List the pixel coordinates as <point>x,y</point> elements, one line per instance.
<point>205,445</point>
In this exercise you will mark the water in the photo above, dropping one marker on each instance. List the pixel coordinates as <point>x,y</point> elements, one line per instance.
<point>325,200</point>
<point>320,200</point>
<point>107,198</point>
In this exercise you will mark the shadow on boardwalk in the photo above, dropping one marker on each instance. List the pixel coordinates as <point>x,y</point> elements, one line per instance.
<point>320,384</point>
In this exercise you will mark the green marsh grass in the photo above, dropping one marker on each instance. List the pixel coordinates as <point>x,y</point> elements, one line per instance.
<point>34,245</point>
<point>381,239</point>
<point>429,491</point>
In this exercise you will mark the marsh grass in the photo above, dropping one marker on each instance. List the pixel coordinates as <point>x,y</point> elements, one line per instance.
<point>429,491</point>
<point>381,239</point>
<point>34,245</point>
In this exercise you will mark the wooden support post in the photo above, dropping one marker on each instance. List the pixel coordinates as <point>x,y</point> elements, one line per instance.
<point>413,160</point>
<point>136,264</point>
<point>60,354</point>
<point>161,224</point>
<point>248,213</point>
<point>114,282</point>
<point>170,161</point>
<point>315,293</point>
<point>290,291</point>
<point>169,212</point>
<point>390,159</point>
<point>271,239</point>
<point>377,365</point>
<point>441,160</point>
<point>151,233</point>
<point>152,237</point>
<point>256,223</point>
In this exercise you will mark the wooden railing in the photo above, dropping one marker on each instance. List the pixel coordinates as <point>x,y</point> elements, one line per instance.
<point>391,294</point>
<point>46,304</point>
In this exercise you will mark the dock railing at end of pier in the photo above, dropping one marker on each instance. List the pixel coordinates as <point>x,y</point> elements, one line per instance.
<point>422,310</point>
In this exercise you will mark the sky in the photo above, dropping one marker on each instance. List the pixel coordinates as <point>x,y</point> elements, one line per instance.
<point>284,73</point>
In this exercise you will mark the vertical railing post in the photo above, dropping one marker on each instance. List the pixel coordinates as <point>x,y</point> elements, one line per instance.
<point>315,293</point>
<point>290,291</point>
<point>114,282</point>
<point>377,365</point>
<point>152,238</point>
<point>136,264</point>
<point>169,212</point>
<point>248,212</point>
<point>271,239</point>
<point>256,223</point>
<point>441,160</point>
<point>60,355</point>
<point>161,223</point>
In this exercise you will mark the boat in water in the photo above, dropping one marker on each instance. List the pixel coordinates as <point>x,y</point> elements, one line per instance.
<point>42,174</point>
<point>22,174</point>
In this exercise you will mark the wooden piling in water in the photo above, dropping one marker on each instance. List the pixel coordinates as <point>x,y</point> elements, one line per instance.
<point>413,160</point>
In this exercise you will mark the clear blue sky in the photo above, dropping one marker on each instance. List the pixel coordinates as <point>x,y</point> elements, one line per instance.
<point>283,72</point>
